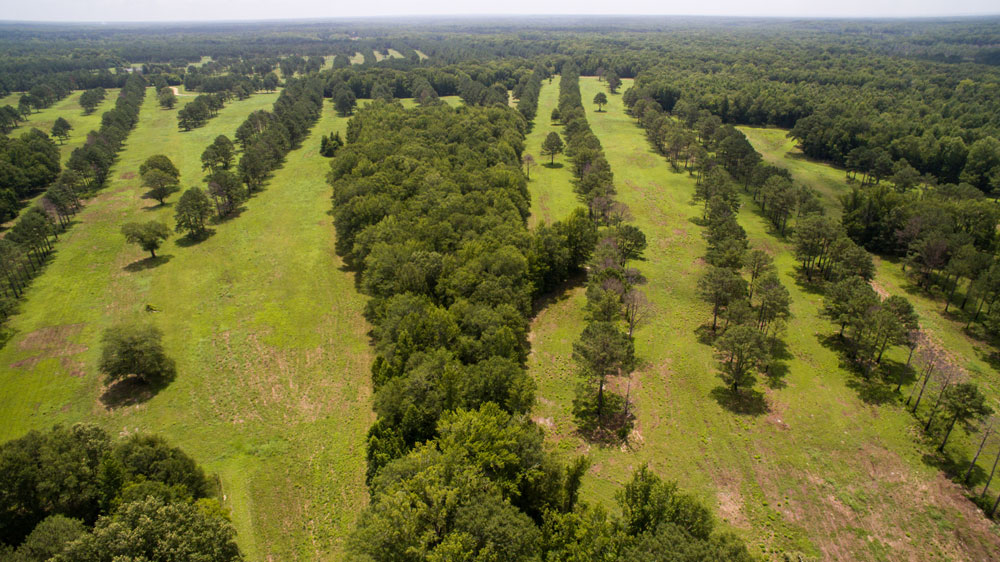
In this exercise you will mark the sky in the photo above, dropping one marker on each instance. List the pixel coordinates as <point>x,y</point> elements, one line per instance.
<point>200,10</point>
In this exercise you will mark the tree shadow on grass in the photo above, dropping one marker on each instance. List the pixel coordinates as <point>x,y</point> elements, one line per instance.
<point>191,239</point>
<point>874,383</point>
<point>814,286</point>
<point>554,166</point>
<point>559,293</point>
<point>612,428</point>
<point>705,334</point>
<point>148,263</point>
<point>133,390</point>
<point>235,213</point>
<point>747,402</point>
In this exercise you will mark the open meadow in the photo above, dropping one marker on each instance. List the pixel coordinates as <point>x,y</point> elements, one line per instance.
<point>812,467</point>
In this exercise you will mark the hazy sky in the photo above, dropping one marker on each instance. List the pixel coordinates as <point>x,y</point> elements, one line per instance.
<point>189,10</point>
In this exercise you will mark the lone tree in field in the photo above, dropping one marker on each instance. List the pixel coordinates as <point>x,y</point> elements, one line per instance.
<point>134,350</point>
<point>149,236</point>
<point>528,161</point>
<point>162,163</point>
<point>555,116</point>
<point>167,98</point>
<point>600,100</point>
<point>61,129</point>
<point>603,351</point>
<point>161,184</point>
<point>552,145</point>
<point>194,208</point>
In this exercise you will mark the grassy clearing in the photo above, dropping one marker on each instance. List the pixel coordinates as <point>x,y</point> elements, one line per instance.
<point>552,196</point>
<point>272,356</point>
<point>69,109</point>
<point>780,150</point>
<point>410,103</point>
<point>396,54</point>
<point>820,472</point>
<point>420,54</point>
<point>975,357</point>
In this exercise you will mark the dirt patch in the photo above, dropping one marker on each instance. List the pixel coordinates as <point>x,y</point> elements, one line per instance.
<point>730,501</point>
<point>127,175</point>
<point>48,343</point>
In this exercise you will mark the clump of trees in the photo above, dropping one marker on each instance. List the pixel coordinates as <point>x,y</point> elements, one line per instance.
<point>61,129</point>
<point>615,303</point>
<point>90,99</point>
<point>166,98</point>
<point>199,110</point>
<point>75,494</point>
<point>329,144</point>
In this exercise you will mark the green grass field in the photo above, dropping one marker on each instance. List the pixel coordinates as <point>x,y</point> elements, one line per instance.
<point>780,150</point>
<point>820,472</point>
<point>420,54</point>
<point>552,196</point>
<point>945,330</point>
<point>358,58</point>
<point>272,392</point>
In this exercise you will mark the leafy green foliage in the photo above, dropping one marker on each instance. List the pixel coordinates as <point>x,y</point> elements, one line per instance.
<point>148,235</point>
<point>135,350</point>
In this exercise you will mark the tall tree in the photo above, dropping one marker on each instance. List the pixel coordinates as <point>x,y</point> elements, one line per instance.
<point>551,146</point>
<point>720,286</point>
<point>603,351</point>
<point>193,211</point>
<point>147,236</point>
<point>61,129</point>
<point>600,100</point>
<point>741,349</point>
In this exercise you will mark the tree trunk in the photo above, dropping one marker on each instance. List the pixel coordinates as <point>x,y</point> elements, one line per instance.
<point>930,418</point>
<point>600,400</point>
<point>982,443</point>
<point>990,479</point>
<point>947,434</point>
<point>921,395</point>
<point>152,253</point>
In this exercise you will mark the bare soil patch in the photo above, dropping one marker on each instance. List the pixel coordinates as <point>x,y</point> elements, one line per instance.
<point>48,343</point>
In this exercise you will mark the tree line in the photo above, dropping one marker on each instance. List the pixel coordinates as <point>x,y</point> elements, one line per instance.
<point>75,494</point>
<point>450,268</point>
<point>605,349</point>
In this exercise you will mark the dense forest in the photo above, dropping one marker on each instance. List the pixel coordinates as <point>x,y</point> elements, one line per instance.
<point>588,276</point>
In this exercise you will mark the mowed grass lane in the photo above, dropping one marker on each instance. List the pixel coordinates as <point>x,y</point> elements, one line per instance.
<point>552,195</point>
<point>820,472</point>
<point>946,330</point>
<point>264,324</point>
